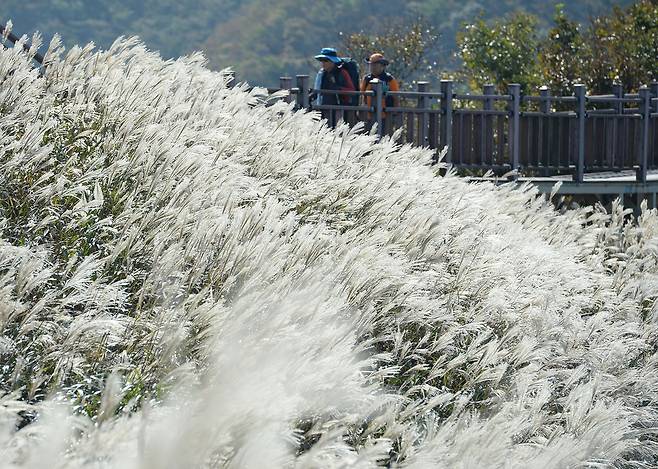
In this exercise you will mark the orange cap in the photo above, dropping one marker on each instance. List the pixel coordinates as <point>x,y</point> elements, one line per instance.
<point>377,58</point>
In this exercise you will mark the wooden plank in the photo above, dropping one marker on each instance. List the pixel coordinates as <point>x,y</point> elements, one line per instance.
<point>637,142</point>
<point>457,125</point>
<point>609,125</point>
<point>488,139</point>
<point>501,154</point>
<point>524,134</point>
<point>573,156</point>
<point>590,128</point>
<point>434,131</point>
<point>549,141</point>
<point>629,133</point>
<point>556,142</point>
<point>567,140</point>
<point>534,140</point>
<point>626,142</point>
<point>389,128</point>
<point>468,140</point>
<point>653,155</point>
<point>477,156</point>
<point>411,134</point>
<point>619,143</point>
<point>540,141</point>
<point>600,141</point>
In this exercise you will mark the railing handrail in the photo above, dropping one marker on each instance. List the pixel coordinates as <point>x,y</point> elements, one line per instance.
<point>482,97</point>
<point>415,94</point>
<point>343,92</point>
<point>613,99</point>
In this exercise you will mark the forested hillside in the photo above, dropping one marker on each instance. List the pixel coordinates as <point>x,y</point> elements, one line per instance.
<point>261,39</point>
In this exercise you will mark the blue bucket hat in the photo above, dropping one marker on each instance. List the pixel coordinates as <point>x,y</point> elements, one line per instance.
<point>328,53</point>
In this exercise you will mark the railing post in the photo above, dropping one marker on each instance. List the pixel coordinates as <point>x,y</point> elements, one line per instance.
<point>446,117</point>
<point>645,110</point>
<point>581,98</point>
<point>515,93</point>
<point>488,89</point>
<point>302,96</point>
<point>617,124</point>
<point>423,119</point>
<point>545,103</point>
<point>654,95</point>
<point>378,87</point>
<point>544,154</point>
<point>285,83</point>
<point>618,92</point>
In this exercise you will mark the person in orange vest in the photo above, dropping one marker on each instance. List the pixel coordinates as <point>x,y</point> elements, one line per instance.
<point>378,64</point>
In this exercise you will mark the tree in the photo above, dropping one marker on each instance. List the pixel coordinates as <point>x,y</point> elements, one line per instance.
<point>501,53</point>
<point>560,57</point>
<point>405,44</point>
<point>623,47</point>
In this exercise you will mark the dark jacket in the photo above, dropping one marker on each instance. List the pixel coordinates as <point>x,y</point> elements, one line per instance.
<point>337,79</point>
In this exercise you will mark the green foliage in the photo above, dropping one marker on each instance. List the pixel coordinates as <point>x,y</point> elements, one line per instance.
<point>620,47</point>
<point>503,52</point>
<point>563,43</point>
<point>409,44</point>
<point>623,48</point>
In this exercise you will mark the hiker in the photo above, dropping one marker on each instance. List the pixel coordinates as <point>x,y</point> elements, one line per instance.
<point>334,75</point>
<point>378,64</point>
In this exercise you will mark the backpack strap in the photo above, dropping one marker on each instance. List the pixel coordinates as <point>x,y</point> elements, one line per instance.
<point>385,77</point>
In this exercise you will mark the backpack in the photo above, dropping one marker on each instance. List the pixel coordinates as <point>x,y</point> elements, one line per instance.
<point>385,79</point>
<point>352,69</point>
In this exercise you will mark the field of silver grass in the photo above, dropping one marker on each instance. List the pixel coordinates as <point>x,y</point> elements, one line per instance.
<point>190,277</point>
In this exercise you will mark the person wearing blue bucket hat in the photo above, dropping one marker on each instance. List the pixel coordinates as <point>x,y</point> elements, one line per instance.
<point>328,54</point>
<point>332,76</point>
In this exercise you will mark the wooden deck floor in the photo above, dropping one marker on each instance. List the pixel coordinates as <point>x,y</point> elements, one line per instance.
<point>620,184</point>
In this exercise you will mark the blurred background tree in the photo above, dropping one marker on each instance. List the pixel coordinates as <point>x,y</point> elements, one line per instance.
<point>264,40</point>
<point>559,67</point>
<point>500,52</point>
<point>618,47</point>
<point>623,47</point>
<point>406,45</point>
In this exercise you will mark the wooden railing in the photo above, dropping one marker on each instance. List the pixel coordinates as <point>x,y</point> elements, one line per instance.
<point>536,135</point>
<point>14,39</point>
